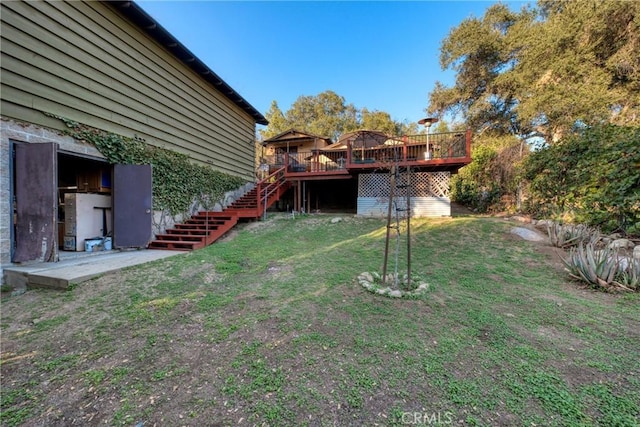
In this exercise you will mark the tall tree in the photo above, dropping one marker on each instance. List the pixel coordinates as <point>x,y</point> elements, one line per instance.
<point>378,120</point>
<point>327,114</point>
<point>478,50</point>
<point>408,128</point>
<point>277,122</point>
<point>542,71</point>
<point>582,61</point>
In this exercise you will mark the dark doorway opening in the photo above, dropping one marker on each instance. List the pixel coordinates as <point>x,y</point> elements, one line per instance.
<point>333,196</point>
<point>84,204</point>
<point>62,204</point>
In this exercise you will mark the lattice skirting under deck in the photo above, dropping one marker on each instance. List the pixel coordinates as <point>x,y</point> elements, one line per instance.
<point>429,194</point>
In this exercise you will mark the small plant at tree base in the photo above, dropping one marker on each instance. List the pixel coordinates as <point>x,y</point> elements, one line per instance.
<point>373,283</point>
<point>603,268</point>
<point>564,236</point>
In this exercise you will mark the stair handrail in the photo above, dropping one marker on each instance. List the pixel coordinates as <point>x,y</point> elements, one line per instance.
<point>269,186</point>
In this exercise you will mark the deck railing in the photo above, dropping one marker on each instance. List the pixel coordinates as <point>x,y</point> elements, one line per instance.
<point>268,187</point>
<point>412,148</point>
<point>317,161</point>
<point>423,149</point>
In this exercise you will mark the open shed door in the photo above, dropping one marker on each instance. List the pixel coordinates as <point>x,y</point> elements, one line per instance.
<point>132,212</point>
<point>36,205</point>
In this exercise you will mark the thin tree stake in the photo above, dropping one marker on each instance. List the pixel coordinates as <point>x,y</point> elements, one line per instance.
<point>386,244</point>
<point>408,190</point>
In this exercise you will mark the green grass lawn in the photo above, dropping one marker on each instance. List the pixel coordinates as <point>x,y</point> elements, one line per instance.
<point>271,328</point>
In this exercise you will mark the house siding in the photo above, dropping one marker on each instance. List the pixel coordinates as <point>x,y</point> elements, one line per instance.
<point>85,62</point>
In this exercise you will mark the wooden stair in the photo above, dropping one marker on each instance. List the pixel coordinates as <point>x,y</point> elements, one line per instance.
<point>197,232</point>
<point>246,206</point>
<point>206,227</point>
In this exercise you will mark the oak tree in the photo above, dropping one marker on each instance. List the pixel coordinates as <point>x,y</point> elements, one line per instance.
<point>544,71</point>
<point>328,114</point>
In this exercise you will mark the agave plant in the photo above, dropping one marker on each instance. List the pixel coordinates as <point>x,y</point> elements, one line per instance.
<point>629,276</point>
<point>603,268</point>
<point>596,267</point>
<point>564,236</point>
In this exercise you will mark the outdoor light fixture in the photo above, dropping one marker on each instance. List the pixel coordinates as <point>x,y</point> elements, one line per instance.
<point>427,122</point>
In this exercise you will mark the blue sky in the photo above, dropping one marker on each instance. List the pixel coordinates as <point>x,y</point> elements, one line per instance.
<point>379,55</point>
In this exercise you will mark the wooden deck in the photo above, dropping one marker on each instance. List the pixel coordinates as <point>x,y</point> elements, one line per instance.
<point>435,152</point>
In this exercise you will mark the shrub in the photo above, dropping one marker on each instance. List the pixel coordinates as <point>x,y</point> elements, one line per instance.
<point>592,177</point>
<point>484,183</point>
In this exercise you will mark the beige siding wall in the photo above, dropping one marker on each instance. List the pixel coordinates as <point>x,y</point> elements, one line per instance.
<point>85,62</point>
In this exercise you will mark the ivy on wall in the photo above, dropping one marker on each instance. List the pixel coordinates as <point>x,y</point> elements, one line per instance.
<point>177,182</point>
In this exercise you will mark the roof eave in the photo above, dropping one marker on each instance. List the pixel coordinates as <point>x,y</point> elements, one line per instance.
<point>305,136</point>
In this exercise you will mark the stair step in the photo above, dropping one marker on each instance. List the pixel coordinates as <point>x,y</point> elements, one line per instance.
<point>246,213</point>
<point>174,231</point>
<point>198,225</point>
<point>180,237</point>
<point>201,217</point>
<point>176,245</point>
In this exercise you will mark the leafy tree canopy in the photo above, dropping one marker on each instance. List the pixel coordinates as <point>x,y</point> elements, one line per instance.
<point>545,70</point>
<point>328,114</point>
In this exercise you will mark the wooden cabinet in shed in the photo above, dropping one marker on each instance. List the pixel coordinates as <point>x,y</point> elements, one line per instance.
<point>96,180</point>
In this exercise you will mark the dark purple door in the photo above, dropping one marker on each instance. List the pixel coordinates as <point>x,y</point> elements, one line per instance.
<point>131,206</point>
<point>36,206</point>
